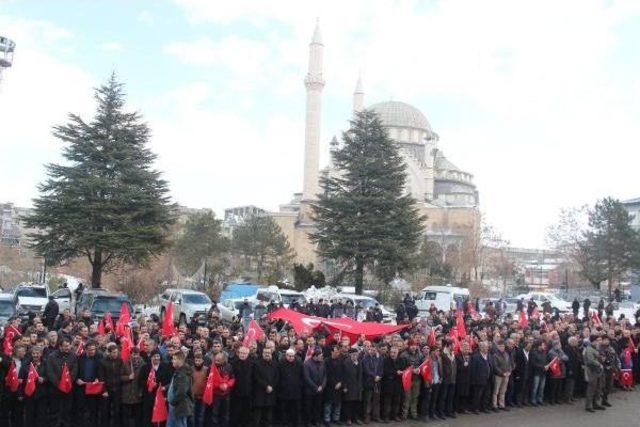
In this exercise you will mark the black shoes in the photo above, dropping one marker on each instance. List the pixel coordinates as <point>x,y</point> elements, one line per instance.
<point>607,404</point>
<point>590,410</point>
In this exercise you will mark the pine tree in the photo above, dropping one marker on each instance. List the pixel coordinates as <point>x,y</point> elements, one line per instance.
<point>105,202</point>
<point>363,217</point>
<point>611,246</point>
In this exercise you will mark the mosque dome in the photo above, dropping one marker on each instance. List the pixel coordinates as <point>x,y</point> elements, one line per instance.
<point>401,115</point>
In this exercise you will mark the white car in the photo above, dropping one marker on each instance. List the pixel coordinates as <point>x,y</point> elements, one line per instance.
<point>30,298</point>
<point>187,304</point>
<point>279,295</point>
<point>64,298</point>
<point>442,297</point>
<point>230,309</point>
<point>540,297</point>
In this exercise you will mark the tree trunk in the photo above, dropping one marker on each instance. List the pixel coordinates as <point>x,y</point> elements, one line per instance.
<point>96,269</point>
<point>359,275</point>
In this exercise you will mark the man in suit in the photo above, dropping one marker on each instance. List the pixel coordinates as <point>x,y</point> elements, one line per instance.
<point>522,372</point>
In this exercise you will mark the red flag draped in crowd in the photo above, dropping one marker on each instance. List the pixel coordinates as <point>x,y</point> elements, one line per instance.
<point>254,333</point>
<point>101,327</point>
<point>472,310</point>
<point>126,344</point>
<point>462,332</point>
<point>407,374</point>
<point>625,378</point>
<point>123,320</point>
<point>426,370</point>
<point>32,379</point>
<point>213,381</point>
<point>523,322</point>
<point>151,380</point>
<point>431,339</point>
<point>453,334</point>
<point>167,322</point>
<point>93,389</point>
<point>11,379</point>
<point>595,319</point>
<point>10,333</point>
<point>108,322</point>
<point>626,356</point>
<point>80,349</point>
<point>554,367</point>
<point>159,414</point>
<point>309,354</point>
<point>64,385</point>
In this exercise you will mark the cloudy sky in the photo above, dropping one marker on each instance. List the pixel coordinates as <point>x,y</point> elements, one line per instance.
<point>540,100</point>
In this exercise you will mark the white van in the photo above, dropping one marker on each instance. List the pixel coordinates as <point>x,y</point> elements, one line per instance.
<point>443,297</point>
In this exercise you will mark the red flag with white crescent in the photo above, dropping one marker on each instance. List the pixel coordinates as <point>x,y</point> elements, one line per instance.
<point>80,349</point>
<point>151,380</point>
<point>208,394</point>
<point>160,413</point>
<point>32,379</point>
<point>11,380</point>
<point>407,375</point>
<point>426,369</point>
<point>625,378</point>
<point>254,333</point>
<point>431,339</point>
<point>64,385</point>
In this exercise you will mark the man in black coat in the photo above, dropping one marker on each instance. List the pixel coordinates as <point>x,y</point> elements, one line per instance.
<point>265,379</point>
<point>315,381</point>
<point>522,373</point>
<point>50,313</point>
<point>88,364</point>
<point>352,386</point>
<point>392,391</point>
<point>289,389</point>
<point>480,375</point>
<point>372,384</point>
<point>463,386</point>
<point>35,406</point>
<point>60,401</point>
<point>241,392</point>
<point>111,371</point>
<point>333,389</point>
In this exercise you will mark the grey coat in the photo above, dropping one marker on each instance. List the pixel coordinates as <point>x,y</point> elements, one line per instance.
<point>180,396</point>
<point>592,366</point>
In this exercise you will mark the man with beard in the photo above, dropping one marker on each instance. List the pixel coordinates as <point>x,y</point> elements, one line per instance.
<point>289,389</point>
<point>61,401</point>
<point>35,406</point>
<point>221,402</point>
<point>265,378</point>
<point>112,372</point>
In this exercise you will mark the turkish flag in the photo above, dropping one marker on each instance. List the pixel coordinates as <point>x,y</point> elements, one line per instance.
<point>625,378</point>
<point>100,327</point>
<point>523,322</point>
<point>213,381</point>
<point>431,339</point>
<point>462,332</point>
<point>94,388</point>
<point>123,320</point>
<point>64,385</point>
<point>126,344</point>
<point>554,367</point>
<point>309,354</point>
<point>108,322</point>
<point>32,379</point>
<point>167,322</point>
<point>254,333</point>
<point>426,369</point>
<point>11,380</point>
<point>159,414</point>
<point>407,374</point>
<point>10,333</point>
<point>80,349</point>
<point>595,319</point>
<point>453,333</point>
<point>151,380</point>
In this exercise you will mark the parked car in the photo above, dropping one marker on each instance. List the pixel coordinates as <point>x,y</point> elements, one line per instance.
<point>540,297</point>
<point>230,309</point>
<point>101,301</point>
<point>7,308</point>
<point>64,298</point>
<point>30,298</point>
<point>279,295</point>
<point>443,297</point>
<point>188,304</point>
<point>152,307</point>
<point>366,302</point>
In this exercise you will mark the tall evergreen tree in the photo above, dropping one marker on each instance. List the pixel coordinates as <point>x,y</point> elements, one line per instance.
<point>106,202</point>
<point>200,243</point>
<point>363,217</point>
<point>611,246</point>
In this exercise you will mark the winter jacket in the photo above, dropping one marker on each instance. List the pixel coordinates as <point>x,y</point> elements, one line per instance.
<point>501,363</point>
<point>131,389</point>
<point>592,366</point>
<point>391,381</point>
<point>112,372</point>
<point>538,361</point>
<point>289,380</point>
<point>243,373</point>
<point>315,375</point>
<point>352,385</point>
<point>179,395</point>
<point>265,374</point>
<point>335,372</point>
<point>198,381</point>
<point>55,363</point>
<point>41,388</point>
<point>371,368</point>
<point>480,370</point>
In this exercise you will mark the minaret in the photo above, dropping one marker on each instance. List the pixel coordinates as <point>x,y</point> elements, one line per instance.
<point>358,96</point>
<point>314,84</point>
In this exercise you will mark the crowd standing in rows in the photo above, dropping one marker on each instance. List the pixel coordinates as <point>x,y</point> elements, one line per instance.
<point>62,370</point>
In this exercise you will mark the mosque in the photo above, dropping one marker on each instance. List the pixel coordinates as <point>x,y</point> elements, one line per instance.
<point>444,193</point>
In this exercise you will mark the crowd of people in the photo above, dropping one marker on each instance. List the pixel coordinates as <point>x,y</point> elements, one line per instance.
<point>80,371</point>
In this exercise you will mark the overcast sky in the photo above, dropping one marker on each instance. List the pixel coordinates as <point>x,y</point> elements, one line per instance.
<point>539,100</point>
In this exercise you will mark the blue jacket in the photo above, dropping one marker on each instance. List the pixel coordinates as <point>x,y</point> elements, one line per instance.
<point>371,367</point>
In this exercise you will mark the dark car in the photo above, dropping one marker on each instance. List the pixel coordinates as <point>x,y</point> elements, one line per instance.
<point>100,301</point>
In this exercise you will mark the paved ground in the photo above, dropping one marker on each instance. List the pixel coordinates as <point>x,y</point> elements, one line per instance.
<point>624,413</point>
